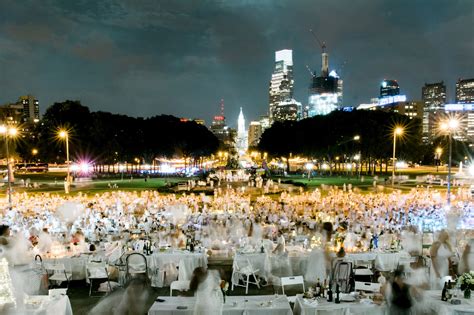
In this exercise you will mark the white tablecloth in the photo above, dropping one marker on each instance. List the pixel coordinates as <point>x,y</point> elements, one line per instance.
<point>51,306</point>
<point>382,261</point>
<point>293,264</point>
<point>330,308</point>
<point>433,300</point>
<point>235,305</point>
<point>77,264</point>
<point>169,261</point>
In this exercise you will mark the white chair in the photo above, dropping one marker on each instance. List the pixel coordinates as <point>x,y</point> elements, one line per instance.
<point>243,272</point>
<point>180,285</point>
<point>58,273</point>
<point>136,264</point>
<point>367,286</point>
<point>97,271</point>
<point>296,280</point>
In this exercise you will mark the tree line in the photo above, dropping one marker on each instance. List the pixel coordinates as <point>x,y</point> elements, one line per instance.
<point>109,138</point>
<point>339,136</point>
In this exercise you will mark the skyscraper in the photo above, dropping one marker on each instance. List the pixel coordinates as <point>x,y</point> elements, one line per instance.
<point>325,91</point>
<point>389,88</point>
<point>255,132</point>
<point>242,136</point>
<point>281,84</point>
<point>465,91</point>
<point>287,110</point>
<point>25,110</point>
<point>434,98</point>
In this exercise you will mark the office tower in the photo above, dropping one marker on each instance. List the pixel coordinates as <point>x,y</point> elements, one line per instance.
<point>255,132</point>
<point>281,83</point>
<point>434,98</point>
<point>465,91</point>
<point>325,91</point>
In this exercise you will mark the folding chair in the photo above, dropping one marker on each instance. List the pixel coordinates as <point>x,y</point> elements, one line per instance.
<point>367,286</point>
<point>291,281</point>
<point>239,272</point>
<point>59,273</point>
<point>136,264</point>
<point>343,275</point>
<point>97,271</point>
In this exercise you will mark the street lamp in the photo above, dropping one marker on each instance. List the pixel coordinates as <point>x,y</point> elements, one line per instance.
<point>9,132</point>
<point>449,126</point>
<point>309,168</point>
<point>438,151</point>
<point>65,135</point>
<point>398,131</point>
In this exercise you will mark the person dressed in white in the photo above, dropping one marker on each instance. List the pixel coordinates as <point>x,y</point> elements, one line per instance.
<point>440,252</point>
<point>466,262</point>
<point>209,298</point>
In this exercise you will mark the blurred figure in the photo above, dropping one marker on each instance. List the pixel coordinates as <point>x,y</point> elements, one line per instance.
<point>399,296</point>
<point>206,287</point>
<point>440,252</point>
<point>467,259</point>
<point>4,235</point>
<point>129,301</point>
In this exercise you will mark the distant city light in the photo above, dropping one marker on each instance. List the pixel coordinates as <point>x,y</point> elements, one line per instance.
<point>401,164</point>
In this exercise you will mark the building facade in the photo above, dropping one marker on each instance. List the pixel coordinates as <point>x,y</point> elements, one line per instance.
<point>287,110</point>
<point>25,110</point>
<point>281,83</point>
<point>255,133</point>
<point>434,98</point>
<point>325,91</point>
<point>465,91</point>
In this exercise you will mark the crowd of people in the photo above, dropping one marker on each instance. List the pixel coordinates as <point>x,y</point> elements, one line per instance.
<point>335,221</point>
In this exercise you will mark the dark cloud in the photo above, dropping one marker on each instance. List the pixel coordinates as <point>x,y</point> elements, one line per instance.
<point>181,57</point>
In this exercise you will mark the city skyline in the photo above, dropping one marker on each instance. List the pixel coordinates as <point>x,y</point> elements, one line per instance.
<point>148,58</point>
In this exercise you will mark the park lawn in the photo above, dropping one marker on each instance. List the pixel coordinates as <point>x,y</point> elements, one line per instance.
<point>99,186</point>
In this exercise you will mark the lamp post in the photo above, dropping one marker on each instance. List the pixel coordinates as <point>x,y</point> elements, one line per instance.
<point>65,135</point>
<point>438,151</point>
<point>9,132</point>
<point>449,126</point>
<point>398,131</point>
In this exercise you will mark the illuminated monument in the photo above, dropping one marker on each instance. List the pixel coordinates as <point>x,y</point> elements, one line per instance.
<point>242,136</point>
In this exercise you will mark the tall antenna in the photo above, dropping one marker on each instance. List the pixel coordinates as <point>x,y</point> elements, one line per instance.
<point>222,107</point>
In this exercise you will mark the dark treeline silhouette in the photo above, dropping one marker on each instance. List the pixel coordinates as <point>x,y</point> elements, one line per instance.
<point>330,139</point>
<point>109,138</point>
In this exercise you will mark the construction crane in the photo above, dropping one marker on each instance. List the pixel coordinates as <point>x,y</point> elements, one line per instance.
<point>324,56</point>
<point>310,71</point>
<point>320,43</point>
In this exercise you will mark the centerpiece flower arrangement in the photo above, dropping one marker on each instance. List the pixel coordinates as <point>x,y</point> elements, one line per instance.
<point>466,282</point>
<point>224,288</point>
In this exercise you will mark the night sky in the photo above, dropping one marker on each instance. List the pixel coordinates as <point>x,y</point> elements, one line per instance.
<point>180,57</point>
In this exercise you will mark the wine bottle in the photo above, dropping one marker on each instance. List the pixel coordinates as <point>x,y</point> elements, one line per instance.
<point>318,288</point>
<point>329,297</point>
<point>337,300</point>
<point>444,292</point>
<point>324,289</point>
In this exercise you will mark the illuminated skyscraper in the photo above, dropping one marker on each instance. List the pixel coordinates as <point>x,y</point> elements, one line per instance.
<point>434,98</point>
<point>389,88</point>
<point>281,84</point>
<point>325,91</point>
<point>465,91</point>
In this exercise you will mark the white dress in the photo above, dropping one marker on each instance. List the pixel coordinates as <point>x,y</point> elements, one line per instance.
<point>442,257</point>
<point>209,298</point>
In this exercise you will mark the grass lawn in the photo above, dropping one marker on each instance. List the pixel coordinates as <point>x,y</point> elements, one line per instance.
<point>54,184</point>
